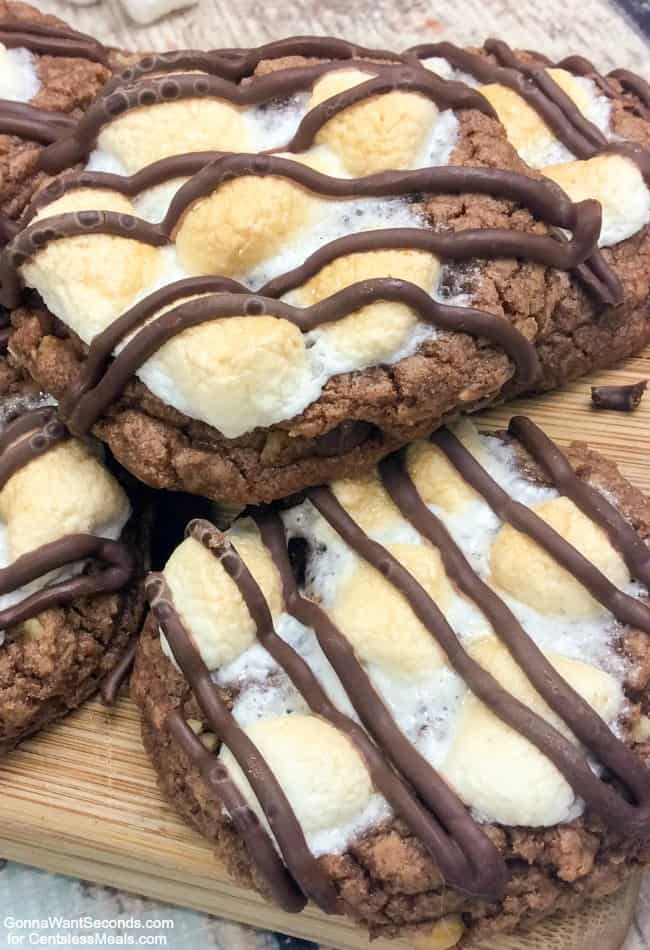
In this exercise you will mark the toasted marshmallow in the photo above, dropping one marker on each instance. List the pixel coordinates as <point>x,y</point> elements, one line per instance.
<point>526,129</point>
<point>435,478</point>
<point>318,768</point>
<point>617,183</point>
<point>523,569</point>
<point>235,373</point>
<point>378,621</point>
<point>240,224</point>
<point>90,279</point>
<point>366,500</point>
<point>385,131</point>
<point>372,334</point>
<point>498,772</point>
<point>209,602</point>
<point>147,134</point>
<point>18,77</point>
<point>65,491</point>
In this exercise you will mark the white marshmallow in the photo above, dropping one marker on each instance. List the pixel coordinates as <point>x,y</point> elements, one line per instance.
<point>320,771</point>
<point>18,77</point>
<point>617,183</point>
<point>497,771</point>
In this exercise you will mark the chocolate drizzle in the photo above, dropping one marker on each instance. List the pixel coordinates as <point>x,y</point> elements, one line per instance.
<point>19,118</point>
<point>628,80</point>
<point>532,83</point>
<point>544,199</point>
<point>50,40</point>
<point>24,439</point>
<point>592,502</point>
<point>150,92</point>
<point>280,883</point>
<point>92,395</point>
<point>313,882</point>
<point>95,392</point>
<point>235,64</point>
<point>625,608</point>
<point>465,857</point>
<point>27,437</point>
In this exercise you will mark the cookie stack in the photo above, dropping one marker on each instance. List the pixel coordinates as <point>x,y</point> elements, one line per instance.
<point>410,678</point>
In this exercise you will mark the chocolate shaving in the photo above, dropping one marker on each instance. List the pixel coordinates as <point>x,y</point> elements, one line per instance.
<point>619,398</point>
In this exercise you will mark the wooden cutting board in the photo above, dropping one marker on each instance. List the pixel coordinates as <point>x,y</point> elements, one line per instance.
<point>81,798</point>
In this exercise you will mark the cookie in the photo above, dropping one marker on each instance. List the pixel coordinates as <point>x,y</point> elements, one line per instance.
<point>287,318</point>
<point>419,697</point>
<point>73,554</point>
<point>49,73</point>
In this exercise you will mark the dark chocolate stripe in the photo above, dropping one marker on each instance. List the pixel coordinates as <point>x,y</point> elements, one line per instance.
<point>466,858</point>
<point>592,502</point>
<point>258,843</point>
<point>635,84</point>
<point>564,755</point>
<point>179,166</point>
<point>566,122</point>
<point>625,608</point>
<point>449,245</point>
<point>82,411</point>
<point>50,40</point>
<point>540,90</point>
<point>151,92</point>
<point>550,88</point>
<point>60,553</point>
<point>634,152</point>
<point>8,229</point>
<point>235,64</point>
<point>112,682</point>
<point>31,435</point>
<point>545,200</point>
<point>629,81</point>
<point>19,118</point>
<point>39,234</point>
<point>304,868</point>
<point>584,723</point>
<point>440,91</point>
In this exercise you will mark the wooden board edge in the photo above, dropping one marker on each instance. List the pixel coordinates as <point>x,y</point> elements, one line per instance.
<point>242,906</point>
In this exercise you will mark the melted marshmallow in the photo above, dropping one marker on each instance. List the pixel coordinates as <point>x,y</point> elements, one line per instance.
<point>18,77</point>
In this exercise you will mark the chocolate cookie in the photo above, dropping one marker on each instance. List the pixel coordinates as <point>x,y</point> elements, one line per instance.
<point>73,554</point>
<point>49,74</point>
<point>283,319</point>
<point>419,697</point>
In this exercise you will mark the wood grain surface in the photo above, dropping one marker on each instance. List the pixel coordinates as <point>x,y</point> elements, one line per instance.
<point>81,798</point>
